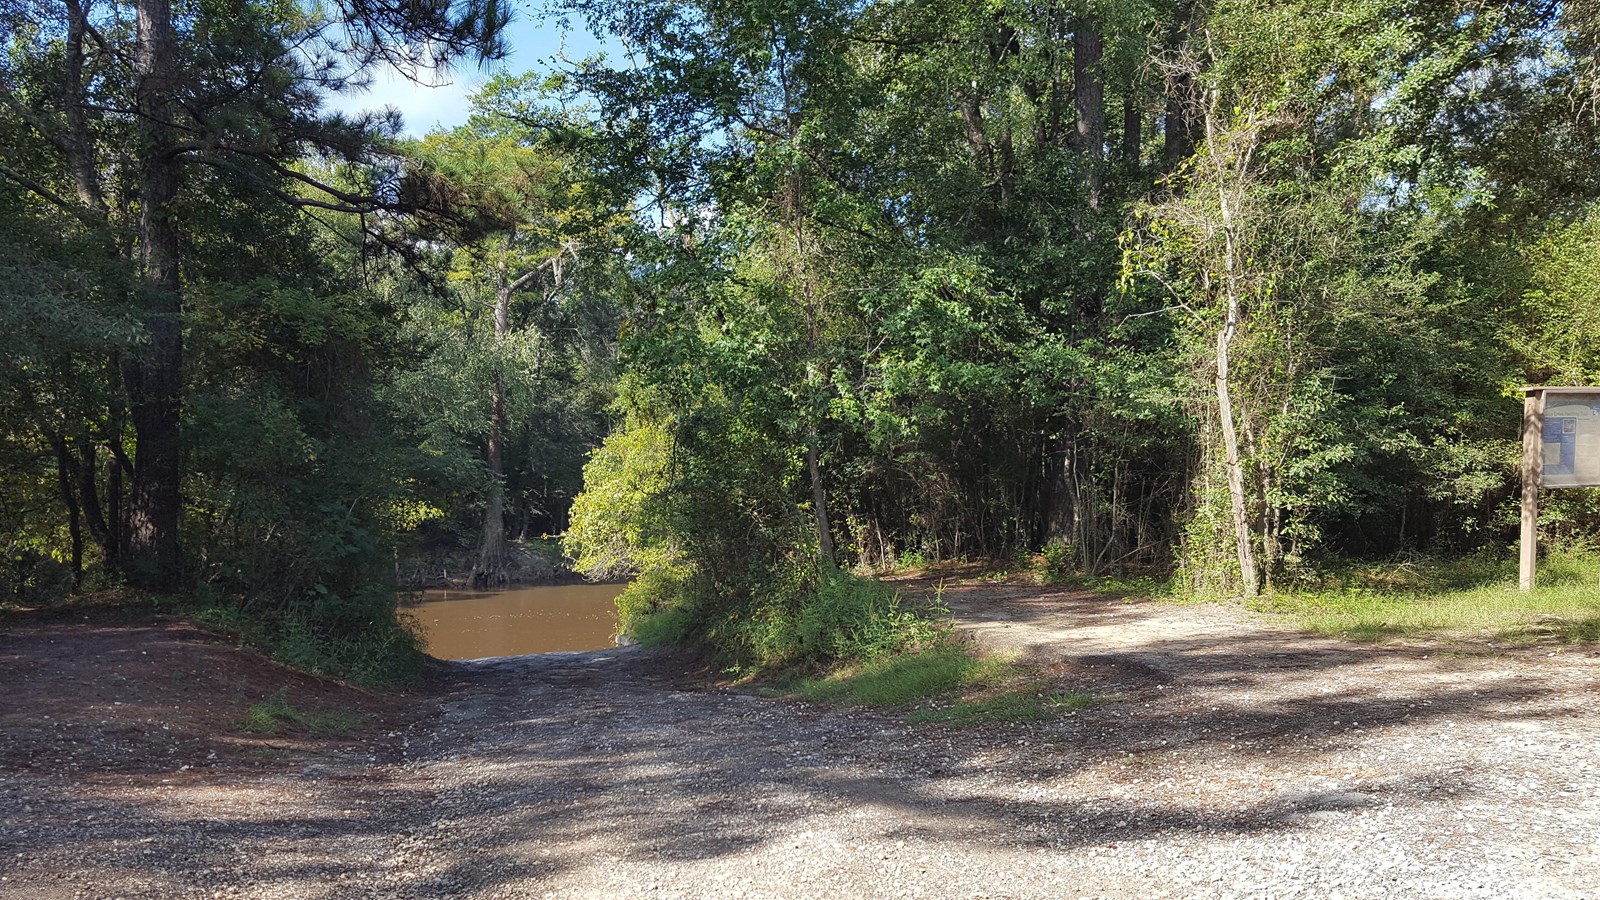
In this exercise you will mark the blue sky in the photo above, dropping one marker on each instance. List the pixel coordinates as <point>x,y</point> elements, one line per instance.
<point>441,102</point>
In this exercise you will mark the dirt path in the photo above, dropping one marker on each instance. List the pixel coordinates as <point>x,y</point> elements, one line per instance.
<point>1231,758</point>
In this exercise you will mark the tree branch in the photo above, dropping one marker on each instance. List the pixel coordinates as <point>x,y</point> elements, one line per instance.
<point>87,215</point>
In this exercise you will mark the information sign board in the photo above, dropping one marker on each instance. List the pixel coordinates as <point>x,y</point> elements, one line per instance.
<point>1571,440</point>
<point>1560,449</point>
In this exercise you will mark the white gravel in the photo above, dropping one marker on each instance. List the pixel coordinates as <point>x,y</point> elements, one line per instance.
<point>1231,759</point>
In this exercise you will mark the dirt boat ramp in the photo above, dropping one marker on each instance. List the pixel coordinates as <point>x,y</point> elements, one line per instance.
<point>1227,757</point>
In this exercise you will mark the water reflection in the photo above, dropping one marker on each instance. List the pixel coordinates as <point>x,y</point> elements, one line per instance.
<point>475,624</point>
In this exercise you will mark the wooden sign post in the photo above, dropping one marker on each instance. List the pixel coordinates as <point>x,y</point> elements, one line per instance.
<point>1560,449</point>
<point>1532,470</point>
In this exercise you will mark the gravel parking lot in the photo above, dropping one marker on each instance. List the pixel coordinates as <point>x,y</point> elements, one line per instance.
<point>1228,757</point>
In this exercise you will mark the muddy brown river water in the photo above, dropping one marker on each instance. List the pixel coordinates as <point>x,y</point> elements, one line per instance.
<point>476,624</point>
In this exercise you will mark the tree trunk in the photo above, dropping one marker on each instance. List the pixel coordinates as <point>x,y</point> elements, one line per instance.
<point>1088,97</point>
<point>154,373</point>
<point>1243,542</point>
<point>1243,539</point>
<point>1180,122</point>
<point>64,476</point>
<point>89,495</point>
<point>1058,513</point>
<point>1178,127</point>
<point>116,523</point>
<point>819,504</point>
<point>77,143</point>
<point>978,145</point>
<point>491,568</point>
<point>1132,130</point>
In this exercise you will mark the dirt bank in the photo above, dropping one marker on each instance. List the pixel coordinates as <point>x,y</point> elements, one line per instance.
<point>125,693</point>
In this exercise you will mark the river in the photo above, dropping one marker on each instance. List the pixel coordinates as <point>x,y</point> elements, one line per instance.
<point>476,624</point>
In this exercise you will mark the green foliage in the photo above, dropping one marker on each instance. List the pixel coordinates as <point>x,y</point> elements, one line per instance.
<point>1058,561</point>
<point>910,560</point>
<point>962,687</point>
<point>659,608</point>
<point>1134,586</point>
<point>275,714</point>
<point>362,640</point>
<point>1366,373</point>
<point>621,522</point>
<point>1467,598</point>
<point>802,287</point>
<point>895,320</point>
<point>663,628</point>
<point>1560,340</point>
<point>514,344</point>
<point>58,326</point>
<point>1018,705</point>
<point>848,617</point>
<point>905,678</point>
<point>842,618</point>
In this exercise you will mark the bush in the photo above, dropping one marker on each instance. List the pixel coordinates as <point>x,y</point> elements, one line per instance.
<point>1057,561</point>
<point>362,639</point>
<point>841,618</point>
<point>910,560</point>
<point>663,629</point>
<point>856,618</point>
<point>653,592</point>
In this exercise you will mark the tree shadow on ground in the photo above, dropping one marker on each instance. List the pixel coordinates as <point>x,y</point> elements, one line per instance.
<point>543,764</point>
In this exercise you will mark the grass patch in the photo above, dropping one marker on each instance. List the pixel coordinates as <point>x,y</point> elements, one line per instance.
<point>275,714</point>
<point>1473,597</point>
<point>1018,705</point>
<point>975,689</point>
<point>907,677</point>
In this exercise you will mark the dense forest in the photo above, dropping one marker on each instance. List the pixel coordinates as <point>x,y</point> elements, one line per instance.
<point>774,292</point>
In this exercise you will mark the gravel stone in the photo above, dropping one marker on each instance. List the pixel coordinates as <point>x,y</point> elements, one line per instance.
<point>1229,757</point>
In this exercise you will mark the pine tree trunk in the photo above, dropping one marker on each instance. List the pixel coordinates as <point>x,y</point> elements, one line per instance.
<point>87,471</point>
<point>116,522</point>
<point>78,144</point>
<point>154,372</point>
<point>1088,97</point>
<point>1059,515</point>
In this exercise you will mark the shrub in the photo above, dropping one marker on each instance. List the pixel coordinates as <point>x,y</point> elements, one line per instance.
<point>849,617</point>
<point>908,560</point>
<point>1057,561</point>
<point>361,639</point>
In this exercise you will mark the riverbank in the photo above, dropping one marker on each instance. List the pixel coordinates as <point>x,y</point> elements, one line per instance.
<point>1230,756</point>
<point>122,691</point>
<point>531,563</point>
